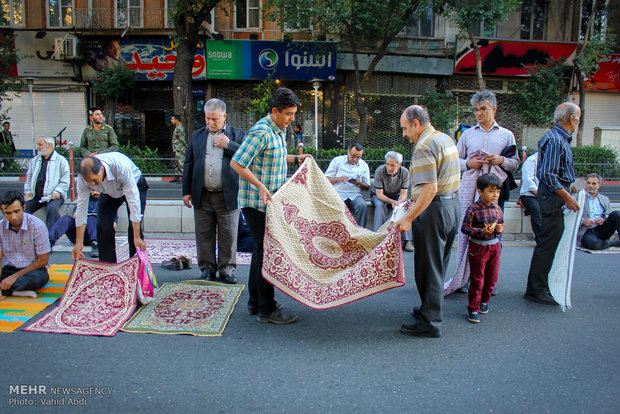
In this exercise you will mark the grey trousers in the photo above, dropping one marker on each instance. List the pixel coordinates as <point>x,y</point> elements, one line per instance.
<point>213,221</point>
<point>434,232</point>
<point>381,215</point>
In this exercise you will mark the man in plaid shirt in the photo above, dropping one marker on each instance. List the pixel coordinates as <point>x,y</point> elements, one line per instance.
<point>261,161</point>
<point>25,248</point>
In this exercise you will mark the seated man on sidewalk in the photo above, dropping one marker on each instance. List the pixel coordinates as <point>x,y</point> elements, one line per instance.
<point>24,249</point>
<point>66,225</point>
<point>391,189</point>
<point>350,175</point>
<point>598,221</point>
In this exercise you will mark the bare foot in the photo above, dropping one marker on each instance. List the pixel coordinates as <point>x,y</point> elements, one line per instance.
<point>25,293</point>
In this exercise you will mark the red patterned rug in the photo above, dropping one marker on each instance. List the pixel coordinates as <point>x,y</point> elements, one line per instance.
<point>317,254</point>
<point>192,307</point>
<point>161,250</point>
<point>98,300</point>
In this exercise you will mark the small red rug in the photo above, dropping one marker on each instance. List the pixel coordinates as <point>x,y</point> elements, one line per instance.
<point>99,298</point>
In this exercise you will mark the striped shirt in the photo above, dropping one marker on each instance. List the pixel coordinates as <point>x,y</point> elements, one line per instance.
<point>478,216</point>
<point>263,151</point>
<point>22,248</point>
<point>595,208</point>
<point>555,159</point>
<point>435,160</point>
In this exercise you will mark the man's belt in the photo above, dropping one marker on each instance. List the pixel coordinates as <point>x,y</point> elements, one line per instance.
<point>446,196</point>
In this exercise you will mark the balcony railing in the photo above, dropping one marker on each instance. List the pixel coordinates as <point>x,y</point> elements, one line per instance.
<point>137,18</point>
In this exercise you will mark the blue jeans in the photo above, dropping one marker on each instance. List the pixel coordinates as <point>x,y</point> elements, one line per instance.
<point>30,281</point>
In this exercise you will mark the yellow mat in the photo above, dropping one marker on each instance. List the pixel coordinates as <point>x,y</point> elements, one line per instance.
<point>15,311</point>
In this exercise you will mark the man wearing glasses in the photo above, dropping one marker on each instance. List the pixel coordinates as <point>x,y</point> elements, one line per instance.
<point>350,176</point>
<point>480,149</point>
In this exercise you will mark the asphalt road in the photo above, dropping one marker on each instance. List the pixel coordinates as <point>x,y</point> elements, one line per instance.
<point>522,357</point>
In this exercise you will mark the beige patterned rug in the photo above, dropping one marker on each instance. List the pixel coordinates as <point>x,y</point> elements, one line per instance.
<point>317,254</point>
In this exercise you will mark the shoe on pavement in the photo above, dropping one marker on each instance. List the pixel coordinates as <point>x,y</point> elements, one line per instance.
<point>494,291</point>
<point>253,310</point>
<point>473,317</point>
<point>416,330</point>
<point>545,299</point>
<point>173,264</point>
<point>208,275</point>
<point>484,308</point>
<point>278,317</point>
<point>186,262</point>
<point>94,249</point>
<point>408,246</point>
<point>229,279</point>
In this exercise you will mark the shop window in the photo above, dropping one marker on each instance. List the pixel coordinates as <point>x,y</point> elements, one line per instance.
<point>420,24</point>
<point>247,14</point>
<point>533,17</point>
<point>11,13</point>
<point>59,13</point>
<point>129,13</point>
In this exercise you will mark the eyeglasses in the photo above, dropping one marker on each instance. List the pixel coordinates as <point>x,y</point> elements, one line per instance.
<point>481,109</point>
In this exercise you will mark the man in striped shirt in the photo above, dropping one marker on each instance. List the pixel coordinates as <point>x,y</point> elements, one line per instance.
<point>435,178</point>
<point>261,161</point>
<point>555,172</point>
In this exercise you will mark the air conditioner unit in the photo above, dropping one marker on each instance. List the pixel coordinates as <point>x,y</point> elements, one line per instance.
<point>66,48</point>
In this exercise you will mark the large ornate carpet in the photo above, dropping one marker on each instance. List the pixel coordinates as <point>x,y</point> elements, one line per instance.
<point>98,300</point>
<point>161,250</point>
<point>191,307</point>
<point>317,254</point>
<point>15,311</point>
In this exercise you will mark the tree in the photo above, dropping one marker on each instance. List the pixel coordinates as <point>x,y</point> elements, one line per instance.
<point>187,16</point>
<point>363,26</point>
<point>112,83</point>
<point>8,57</point>
<point>469,14</point>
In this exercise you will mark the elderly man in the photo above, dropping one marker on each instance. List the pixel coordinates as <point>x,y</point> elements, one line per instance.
<point>529,190</point>
<point>261,161</point>
<point>98,137</point>
<point>118,181</point>
<point>555,172</point>
<point>480,151</point>
<point>211,186</point>
<point>47,181</point>
<point>350,175</point>
<point>179,144</point>
<point>391,188</point>
<point>598,222</point>
<point>435,177</point>
<point>24,249</point>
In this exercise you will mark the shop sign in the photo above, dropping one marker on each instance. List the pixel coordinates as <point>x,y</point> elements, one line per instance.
<point>607,77</point>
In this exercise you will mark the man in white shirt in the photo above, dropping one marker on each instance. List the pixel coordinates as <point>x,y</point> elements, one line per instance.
<point>118,180</point>
<point>350,175</point>
<point>529,191</point>
<point>598,221</point>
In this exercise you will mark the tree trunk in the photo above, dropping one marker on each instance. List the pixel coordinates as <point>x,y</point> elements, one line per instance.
<point>182,84</point>
<point>474,43</point>
<point>582,105</point>
<point>109,112</point>
<point>362,111</point>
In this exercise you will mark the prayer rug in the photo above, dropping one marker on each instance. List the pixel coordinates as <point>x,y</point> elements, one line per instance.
<point>99,298</point>
<point>192,307</point>
<point>161,250</point>
<point>561,273</point>
<point>317,254</point>
<point>15,311</point>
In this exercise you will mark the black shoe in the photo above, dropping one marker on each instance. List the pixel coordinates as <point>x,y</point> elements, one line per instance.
<point>416,313</point>
<point>278,317</point>
<point>253,310</point>
<point>484,308</point>
<point>545,299</point>
<point>494,291</point>
<point>186,262</point>
<point>94,249</point>
<point>173,264</point>
<point>208,275</point>
<point>415,330</point>
<point>473,317</point>
<point>229,279</point>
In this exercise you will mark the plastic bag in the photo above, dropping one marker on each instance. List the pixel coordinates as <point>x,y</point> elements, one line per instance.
<point>147,284</point>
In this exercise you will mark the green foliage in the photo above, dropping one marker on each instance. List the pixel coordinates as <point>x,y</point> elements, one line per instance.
<point>466,13</point>
<point>145,159</point>
<point>8,57</point>
<point>536,99</point>
<point>601,160</point>
<point>114,81</point>
<point>593,52</point>
<point>265,91</point>
<point>7,160</point>
<point>441,109</point>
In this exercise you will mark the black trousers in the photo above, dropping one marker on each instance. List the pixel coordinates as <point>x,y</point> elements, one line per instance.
<point>530,203</point>
<point>547,241</point>
<point>261,292</point>
<point>434,232</point>
<point>107,208</point>
<point>598,237</point>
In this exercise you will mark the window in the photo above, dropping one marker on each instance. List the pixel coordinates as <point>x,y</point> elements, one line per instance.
<point>533,16</point>
<point>420,24</point>
<point>247,14</point>
<point>599,25</point>
<point>11,13</point>
<point>59,13</point>
<point>484,30</point>
<point>128,13</point>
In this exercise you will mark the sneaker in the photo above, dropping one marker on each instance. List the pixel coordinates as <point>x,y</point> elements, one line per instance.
<point>278,317</point>
<point>484,308</point>
<point>408,246</point>
<point>473,317</point>
<point>94,249</point>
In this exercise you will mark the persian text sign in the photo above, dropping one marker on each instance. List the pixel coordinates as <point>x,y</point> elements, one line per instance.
<point>607,77</point>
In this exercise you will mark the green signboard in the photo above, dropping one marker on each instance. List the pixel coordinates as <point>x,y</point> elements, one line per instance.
<point>225,60</point>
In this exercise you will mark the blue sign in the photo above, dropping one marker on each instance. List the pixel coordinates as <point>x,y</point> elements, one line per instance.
<point>294,60</point>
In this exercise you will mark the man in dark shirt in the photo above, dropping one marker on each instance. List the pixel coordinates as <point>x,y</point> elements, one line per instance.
<point>556,172</point>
